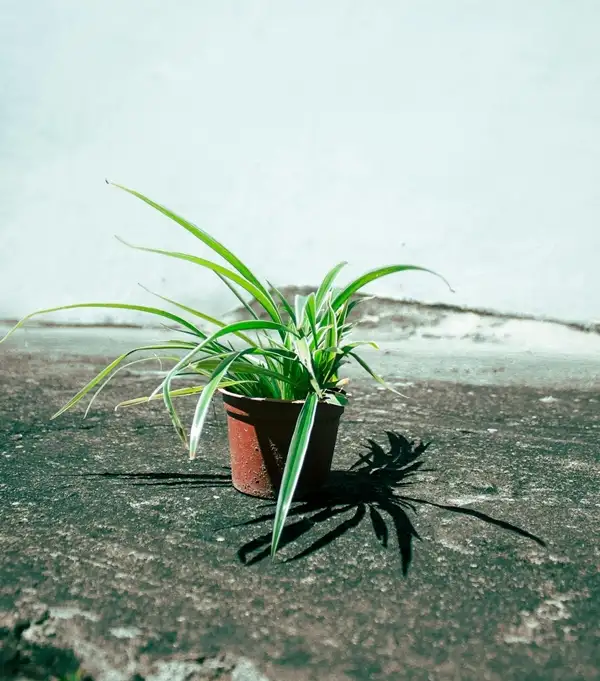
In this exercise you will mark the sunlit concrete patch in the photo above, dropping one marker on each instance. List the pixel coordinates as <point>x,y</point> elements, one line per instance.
<point>67,613</point>
<point>474,498</point>
<point>454,546</point>
<point>540,625</point>
<point>542,557</point>
<point>125,632</point>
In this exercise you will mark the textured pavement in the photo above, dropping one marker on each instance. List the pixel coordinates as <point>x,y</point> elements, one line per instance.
<point>475,558</point>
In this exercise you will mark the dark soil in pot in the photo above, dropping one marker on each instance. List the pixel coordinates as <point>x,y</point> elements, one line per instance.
<point>260,433</point>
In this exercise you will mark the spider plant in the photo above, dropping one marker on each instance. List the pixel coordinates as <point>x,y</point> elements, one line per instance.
<point>294,353</point>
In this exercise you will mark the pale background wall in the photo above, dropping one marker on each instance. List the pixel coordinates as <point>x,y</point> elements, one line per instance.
<point>461,135</point>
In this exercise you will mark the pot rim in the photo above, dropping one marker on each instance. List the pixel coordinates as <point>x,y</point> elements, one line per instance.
<point>272,400</point>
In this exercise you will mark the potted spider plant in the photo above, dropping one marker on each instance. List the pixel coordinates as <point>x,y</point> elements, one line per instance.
<point>278,371</point>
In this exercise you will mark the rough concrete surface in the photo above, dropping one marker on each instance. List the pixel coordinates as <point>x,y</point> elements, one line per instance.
<point>473,558</point>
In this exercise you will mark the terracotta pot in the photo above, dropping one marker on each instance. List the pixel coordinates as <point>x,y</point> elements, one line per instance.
<point>260,433</point>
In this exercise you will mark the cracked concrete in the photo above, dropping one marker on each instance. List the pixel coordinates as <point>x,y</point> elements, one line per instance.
<point>122,559</point>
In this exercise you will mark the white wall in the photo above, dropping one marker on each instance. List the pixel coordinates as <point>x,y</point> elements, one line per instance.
<point>461,135</point>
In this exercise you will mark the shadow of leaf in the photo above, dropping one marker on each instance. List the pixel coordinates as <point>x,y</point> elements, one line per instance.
<point>169,479</point>
<point>379,526</point>
<point>482,516</point>
<point>374,483</point>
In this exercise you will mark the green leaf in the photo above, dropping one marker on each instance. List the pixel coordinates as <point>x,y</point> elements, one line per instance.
<point>243,368</point>
<point>175,420</point>
<point>299,305</point>
<point>328,355</point>
<point>305,356</point>
<point>264,299</point>
<point>107,370</point>
<point>286,306</point>
<point>165,386</point>
<point>205,237</point>
<point>238,295</point>
<point>155,358</point>
<point>351,304</point>
<point>246,325</point>
<point>118,306</point>
<point>339,399</point>
<point>370,371</point>
<point>333,331</point>
<point>197,313</point>
<point>356,344</point>
<point>148,398</point>
<point>367,278</point>
<point>206,397</point>
<point>180,392</point>
<point>327,283</point>
<point>310,311</point>
<point>293,466</point>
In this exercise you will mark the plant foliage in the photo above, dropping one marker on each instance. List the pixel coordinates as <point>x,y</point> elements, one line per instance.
<point>294,353</point>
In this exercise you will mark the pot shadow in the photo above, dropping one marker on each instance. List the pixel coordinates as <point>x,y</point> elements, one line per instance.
<point>169,479</point>
<point>373,485</point>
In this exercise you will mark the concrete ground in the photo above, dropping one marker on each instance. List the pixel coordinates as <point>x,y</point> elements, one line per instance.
<point>475,558</point>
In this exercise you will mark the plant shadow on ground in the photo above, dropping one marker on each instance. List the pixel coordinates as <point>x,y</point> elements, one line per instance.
<point>373,485</point>
<point>170,479</point>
